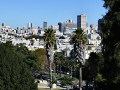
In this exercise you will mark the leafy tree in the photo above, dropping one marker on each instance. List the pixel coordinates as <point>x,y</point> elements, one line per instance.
<point>71,65</point>
<point>66,81</point>
<point>28,56</point>
<point>14,72</point>
<point>92,69</point>
<point>64,64</point>
<point>79,40</point>
<point>40,58</point>
<point>50,40</point>
<point>111,45</point>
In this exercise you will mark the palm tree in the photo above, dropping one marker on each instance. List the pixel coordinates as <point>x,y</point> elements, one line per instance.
<point>50,40</point>
<point>59,60</point>
<point>79,40</point>
<point>72,65</point>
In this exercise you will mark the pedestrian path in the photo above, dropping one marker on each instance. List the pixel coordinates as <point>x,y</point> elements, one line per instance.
<point>45,84</point>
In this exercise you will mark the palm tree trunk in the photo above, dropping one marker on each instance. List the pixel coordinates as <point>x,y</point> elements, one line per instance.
<point>94,84</point>
<point>50,77</point>
<point>71,71</point>
<point>60,69</point>
<point>55,70</point>
<point>80,78</point>
<point>87,85</point>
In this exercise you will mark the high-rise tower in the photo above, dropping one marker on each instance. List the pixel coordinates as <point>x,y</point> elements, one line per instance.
<point>70,24</point>
<point>28,25</point>
<point>45,25</point>
<point>32,26</point>
<point>82,21</point>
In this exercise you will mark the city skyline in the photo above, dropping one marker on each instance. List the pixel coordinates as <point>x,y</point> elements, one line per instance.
<point>19,13</point>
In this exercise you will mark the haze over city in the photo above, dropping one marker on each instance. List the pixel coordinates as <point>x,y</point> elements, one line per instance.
<point>19,13</point>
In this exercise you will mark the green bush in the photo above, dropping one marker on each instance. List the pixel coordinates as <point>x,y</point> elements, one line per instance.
<point>67,80</point>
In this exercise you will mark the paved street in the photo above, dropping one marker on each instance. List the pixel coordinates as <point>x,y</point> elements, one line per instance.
<point>44,85</point>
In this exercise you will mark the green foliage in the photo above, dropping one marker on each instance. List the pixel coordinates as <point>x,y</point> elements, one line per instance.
<point>99,78</point>
<point>35,36</point>
<point>58,76</point>
<point>49,37</point>
<point>65,64</point>
<point>79,37</point>
<point>54,81</point>
<point>27,55</point>
<point>55,46</point>
<point>66,81</point>
<point>40,58</point>
<point>111,45</point>
<point>89,48</point>
<point>71,63</point>
<point>93,67</point>
<point>59,58</point>
<point>14,72</point>
<point>50,41</point>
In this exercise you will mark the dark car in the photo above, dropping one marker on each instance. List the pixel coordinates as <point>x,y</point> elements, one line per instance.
<point>45,77</point>
<point>76,87</point>
<point>89,88</point>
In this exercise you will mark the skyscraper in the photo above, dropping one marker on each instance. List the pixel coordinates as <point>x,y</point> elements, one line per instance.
<point>18,30</point>
<point>45,25</point>
<point>28,25</point>
<point>32,26</point>
<point>82,21</point>
<point>70,24</point>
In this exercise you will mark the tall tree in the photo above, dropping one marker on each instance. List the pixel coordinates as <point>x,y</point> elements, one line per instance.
<point>79,40</point>
<point>111,45</point>
<point>14,72</point>
<point>27,55</point>
<point>92,70</point>
<point>40,58</point>
<point>60,61</point>
<point>71,65</point>
<point>50,40</point>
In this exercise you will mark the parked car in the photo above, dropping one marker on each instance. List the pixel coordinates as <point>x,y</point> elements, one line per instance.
<point>46,77</point>
<point>76,87</point>
<point>89,88</point>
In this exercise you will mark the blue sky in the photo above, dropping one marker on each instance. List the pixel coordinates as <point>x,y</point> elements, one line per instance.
<point>19,12</point>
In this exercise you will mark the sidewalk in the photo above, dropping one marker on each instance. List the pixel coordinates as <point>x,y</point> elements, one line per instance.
<point>45,84</point>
